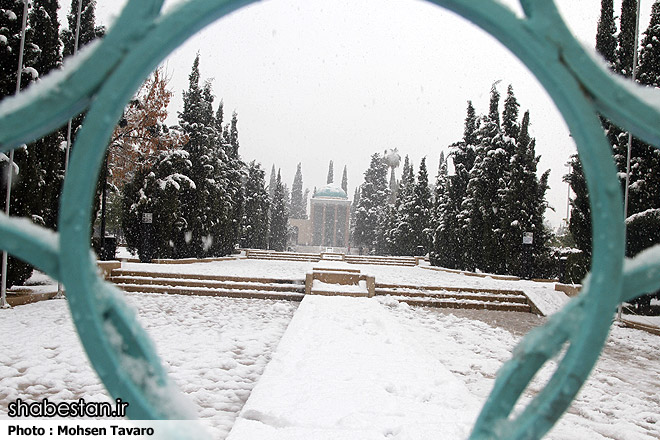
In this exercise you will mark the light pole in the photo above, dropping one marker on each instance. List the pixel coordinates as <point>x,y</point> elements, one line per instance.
<point>630,138</point>
<point>19,71</point>
<point>568,196</point>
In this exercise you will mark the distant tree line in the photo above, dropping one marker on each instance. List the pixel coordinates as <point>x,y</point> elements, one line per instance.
<point>476,216</point>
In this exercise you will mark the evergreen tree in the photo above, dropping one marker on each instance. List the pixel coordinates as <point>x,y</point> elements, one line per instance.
<point>43,36</point>
<point>455,225</point>
<point>88,32</point>
<point>88,29</point>
<point>482,203</point>
<point>233,136</point>
<point>510,115</point>
<point>401,239</point>
<point>471,126</point>
<point>163,191</point>
<point>626,38</point>
<point>644,189</point>
<point>606,43</point>
<point>279,221</point>
<point>214,212</point>
<point>11,25</point>
<point>344,180</point>
<point>271,183</point>
<point>580,222</point>
<point>445,251</point>
<point>394,186</point>
<point>331,174</point>
<point>524,201</point>
<point>233,173</point>
<point>356,201</point>
<point>219,121</point>
<point>371,208</point>
<point>420,211</point>
<point>255,225</point>
<point>28,182</point>
<point>194,120</point>
<point>298,204</point>
<point>304,204</point>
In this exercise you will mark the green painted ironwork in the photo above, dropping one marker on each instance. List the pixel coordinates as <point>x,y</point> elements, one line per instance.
<point>105,77</point>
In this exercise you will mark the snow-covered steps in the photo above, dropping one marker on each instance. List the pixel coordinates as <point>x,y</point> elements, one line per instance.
<point>193,276</point>
<point>456,297</point>
<point>345,369</point>
<point>385,261</point>
<point>353,259</point>
<point>208,285</point>
<point>259,254</point>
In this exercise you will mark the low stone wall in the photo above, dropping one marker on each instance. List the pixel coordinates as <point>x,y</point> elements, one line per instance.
<point>569,289</point>
<point>341,278</point>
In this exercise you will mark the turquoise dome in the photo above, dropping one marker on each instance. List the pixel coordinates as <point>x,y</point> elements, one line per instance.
<point>331,190</point>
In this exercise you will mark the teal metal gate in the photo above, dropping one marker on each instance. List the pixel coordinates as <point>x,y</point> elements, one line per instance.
<point>105,79</point>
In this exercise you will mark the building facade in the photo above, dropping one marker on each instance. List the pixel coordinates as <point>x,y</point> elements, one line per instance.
<point>328,225</point>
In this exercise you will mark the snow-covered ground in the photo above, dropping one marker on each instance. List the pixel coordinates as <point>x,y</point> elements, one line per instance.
<point>621,399</point>
<point>217,348</point>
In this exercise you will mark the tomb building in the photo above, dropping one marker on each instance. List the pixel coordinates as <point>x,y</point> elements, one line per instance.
<point>328,224</point>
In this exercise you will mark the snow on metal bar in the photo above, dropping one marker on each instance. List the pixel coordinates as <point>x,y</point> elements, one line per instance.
<point>108,74</point>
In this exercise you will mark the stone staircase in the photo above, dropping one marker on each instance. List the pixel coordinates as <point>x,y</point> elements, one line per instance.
<point>386,261</point>
<point>208,285</point>
<point>295,289</point>
<point>457,297</point>
<point>259,254</point>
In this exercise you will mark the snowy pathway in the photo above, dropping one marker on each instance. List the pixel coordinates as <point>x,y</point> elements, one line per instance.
<point>345,369</point>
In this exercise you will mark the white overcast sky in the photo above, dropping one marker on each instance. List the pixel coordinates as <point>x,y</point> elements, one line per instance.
<point>320,80</point>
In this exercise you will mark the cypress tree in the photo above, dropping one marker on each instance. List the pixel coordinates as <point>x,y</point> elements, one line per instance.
<point>233,176</point>
<point>212,215</point>
<point>524,201</point>
<point>255,227</point>
<point>644,190</point>
<point>471,126</point>
<point>272,182</point>
<point>88,29</point>
<point>401,237</point>
<point>43,35</point>
<point>371,208</point>
<point>420,211</point>
<point>626,39</point>
<point>27,177</point>
<point>331,174</point>
<point>304,203</point>
<point>482,202</point>
<point>279,221</point>
<point>580,222</point>
<point>88,33</point>
<point>510,115</point>
<point>297,202</point>
<point>606,43</point>
<point>233,136</point>
<point>446,233</point>
<point>463,155</point>
<point>344,180</point>
<point>11,24</point>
